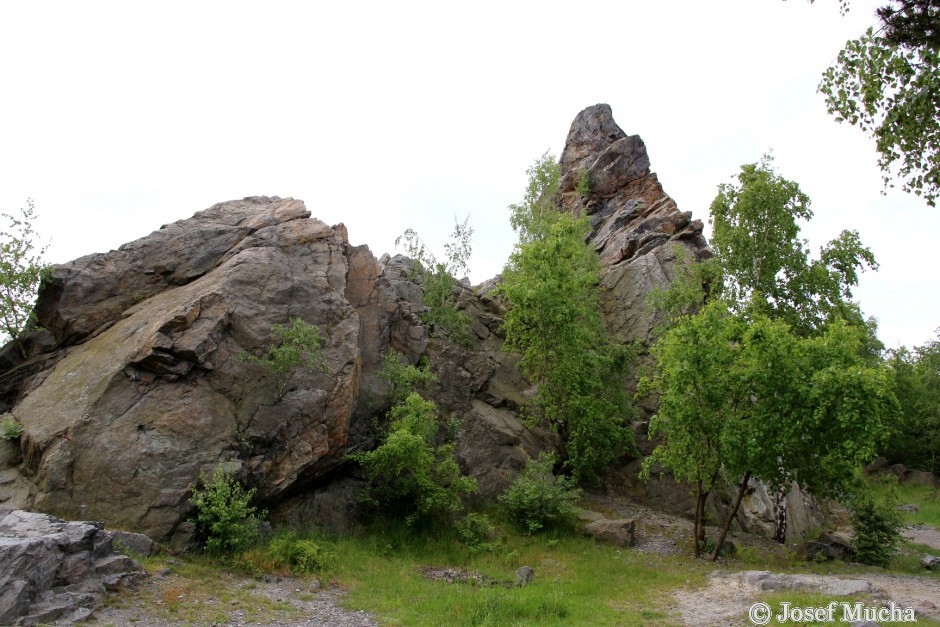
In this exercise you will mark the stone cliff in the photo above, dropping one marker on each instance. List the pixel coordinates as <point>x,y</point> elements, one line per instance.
<point>136,385</point>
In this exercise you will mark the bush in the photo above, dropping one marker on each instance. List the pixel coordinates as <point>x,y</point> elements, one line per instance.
<point>10,427</point>
<point>225,518</point>
<point>296,344</point>
<point>402,378</point>
<point>301,555</point>
<point>409,474</point>
<point>877,528</point>
<point>477,533</point>
<point>538,499</point>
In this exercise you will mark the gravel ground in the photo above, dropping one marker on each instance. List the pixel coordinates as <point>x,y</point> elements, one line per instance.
<point>320,607</point>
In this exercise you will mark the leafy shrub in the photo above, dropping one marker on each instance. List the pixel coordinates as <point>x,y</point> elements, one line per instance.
<point>225,518</point>
<point>442,314</point>
<point>10,428</point>
<point>301,555</point>
<point>877,528</point>
<point>403,379</point>
<point>409,474</point>
<point>583,186</point>
<point>295,344</point>
<point>476,533</point>
<point>538,499</point>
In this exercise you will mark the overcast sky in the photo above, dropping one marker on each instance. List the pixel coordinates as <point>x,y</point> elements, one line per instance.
<point>118,117</point>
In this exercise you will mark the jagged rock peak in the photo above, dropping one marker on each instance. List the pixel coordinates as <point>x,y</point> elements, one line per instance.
<point>591,131</point>
<point>597,146</point>
<point>637,229</point>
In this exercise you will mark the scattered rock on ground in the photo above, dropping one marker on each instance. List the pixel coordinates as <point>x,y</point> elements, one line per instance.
<point>930,562</point>
<point>524,576</point>
<point>620,532</point>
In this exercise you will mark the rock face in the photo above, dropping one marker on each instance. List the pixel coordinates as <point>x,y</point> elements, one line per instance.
<point>54,570</point>
<point>138,383</point>
<point>637,228</point>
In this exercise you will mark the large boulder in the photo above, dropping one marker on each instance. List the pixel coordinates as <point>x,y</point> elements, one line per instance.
<point>139,382</point>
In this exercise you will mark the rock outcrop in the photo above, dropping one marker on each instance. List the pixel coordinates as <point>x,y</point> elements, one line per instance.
<point>138,382</point>
<point>52,570</point>
<point>638,230</point>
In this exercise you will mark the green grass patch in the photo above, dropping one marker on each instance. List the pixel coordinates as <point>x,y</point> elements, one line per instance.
<point>926,499</point>
<point>577,582</point>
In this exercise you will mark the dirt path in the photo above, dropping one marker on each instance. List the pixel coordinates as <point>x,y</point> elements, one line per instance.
<point>727,597</point>
<point>725,600</point>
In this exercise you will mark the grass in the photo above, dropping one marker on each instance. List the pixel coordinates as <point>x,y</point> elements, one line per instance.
<point>577,582</point>
<point>926,499</point>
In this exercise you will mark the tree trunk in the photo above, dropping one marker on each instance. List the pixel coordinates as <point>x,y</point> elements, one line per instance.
<point>697,527</point>
<point>731,515</point>
<point>780,511</point>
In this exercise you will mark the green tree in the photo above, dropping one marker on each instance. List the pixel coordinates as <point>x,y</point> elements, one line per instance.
<point>295,344</point>
<point>766,359</point>
<point>887,82</point>
<point>538,209</point>
<point>697,401</point>
<point>764,262</point>
<point>538,498</point>
<point>21,272</point>
<point>915,437</point>
<point>554,320</point>
<point>742,395</point>
<point>442,315</point>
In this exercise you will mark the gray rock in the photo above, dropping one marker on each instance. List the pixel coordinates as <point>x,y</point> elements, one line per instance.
<point>921,478</point>
<point>589,516</point>
<point>620,531</point>
<point>766,581</point>
<point>52,570</point>
<point>879,463</point>
<point>136,543</point>
<point>136,386</point>
<point>930,562</point>
<point>524,576</point>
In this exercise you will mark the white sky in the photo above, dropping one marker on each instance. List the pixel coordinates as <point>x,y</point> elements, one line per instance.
<point>118,117</point>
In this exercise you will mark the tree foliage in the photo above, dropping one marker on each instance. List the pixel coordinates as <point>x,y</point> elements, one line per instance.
<point>537,211</point>
<point>914,23</point>
<point>295,344</point>
<point>764,262</point>
<point>554,320</point>
<point>21,271</point>
<point>887,82</point>
<point>743,395</point>
<point>403,378</point>
<point>442,315</point>
<point>877,527</point>
<point>768,371</point>
<point>915,437</point>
